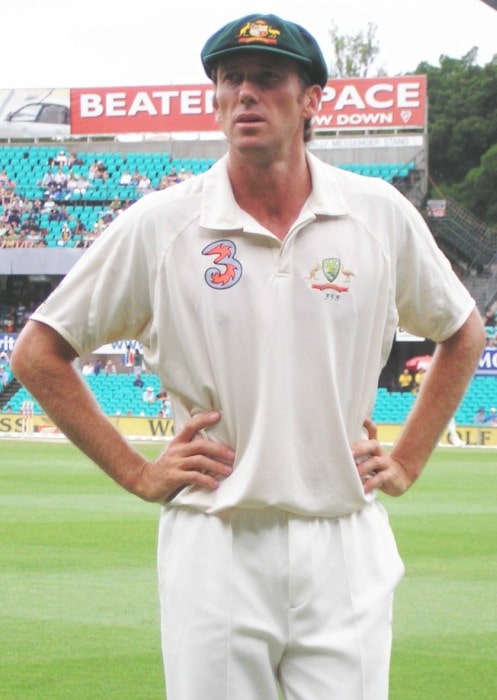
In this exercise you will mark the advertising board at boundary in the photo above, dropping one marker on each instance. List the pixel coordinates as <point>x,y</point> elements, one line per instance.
<point>162,429</point>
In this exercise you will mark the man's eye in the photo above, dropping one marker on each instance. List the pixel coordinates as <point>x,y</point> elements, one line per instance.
<point>232,77</point>
<point>269,78</point>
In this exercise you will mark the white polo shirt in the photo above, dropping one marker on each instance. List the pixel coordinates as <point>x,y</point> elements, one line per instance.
<point>286,339</point>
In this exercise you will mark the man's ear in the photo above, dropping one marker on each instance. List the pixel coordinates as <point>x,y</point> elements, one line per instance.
<point>312,101</point>
<point>215,104</point>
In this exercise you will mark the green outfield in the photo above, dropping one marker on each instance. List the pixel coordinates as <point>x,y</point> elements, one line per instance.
<point>78,604</point>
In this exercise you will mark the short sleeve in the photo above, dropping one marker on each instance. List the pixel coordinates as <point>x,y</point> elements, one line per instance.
<point>106,296</point>
<point>431,300</point>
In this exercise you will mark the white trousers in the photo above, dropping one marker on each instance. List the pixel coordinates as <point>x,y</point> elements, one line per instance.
<point>256,599</point>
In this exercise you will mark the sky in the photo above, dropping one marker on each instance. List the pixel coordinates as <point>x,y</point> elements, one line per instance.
<point>107,43</point>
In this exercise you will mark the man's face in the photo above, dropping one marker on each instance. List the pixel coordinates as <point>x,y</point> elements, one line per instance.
<point>262,102</point>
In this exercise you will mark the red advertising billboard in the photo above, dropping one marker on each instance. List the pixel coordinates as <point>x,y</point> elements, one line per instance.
<point>142,109</point>
<point>347,105</point>
<point>373,103</point>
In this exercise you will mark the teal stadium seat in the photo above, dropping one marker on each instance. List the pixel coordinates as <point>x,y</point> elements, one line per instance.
<point>117,395</point>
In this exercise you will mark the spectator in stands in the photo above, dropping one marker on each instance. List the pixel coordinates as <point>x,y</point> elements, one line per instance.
<point>47,180</point>
<point>18,204</point>
<point>110,368</point>
<point>72,184</point>
<point>7,192</point>
<point>405,381</point>
<point>54,214</point>
<point>79,227</point>
<point>101,171</point>
<point>65,233</point>
<point>137,362</point>
<point>480,416</point>
<point>37,206</point>
<point>173,177</point>
<point>144,184</point>
<point>4,377</point>
<point>107,215</point>
<point>148,395</point>
<point>90,236</point>
<point>22,240</point>
<point>491,317</point>
<point>125,178</point>
<point>61,159</point>
<point>184,174</point>
<point>115,205</point>
<point>34,237</point>
<point>214,279</point>
<point>95,170</point>
<point>163,182</point>
<point>60,179</point>
<point>9,321</point>
<point>31,220</point>
<point>83,185</point>
<point>20,313</point>
<point>14,217</point>
<point>74,159</point>
<point>48,205</point>
<point>418,380</point>
<point>8,235</point>
<point>29,311</point>
<point>492,417</point>
<point>165,401</point>
<point>138,381</point>
<point>87,368</point>
<point>135,178</point>
<point>98,227</point>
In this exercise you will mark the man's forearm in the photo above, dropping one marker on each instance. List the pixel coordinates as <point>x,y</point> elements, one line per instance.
<point>45,368</point>
<point>441,392</point>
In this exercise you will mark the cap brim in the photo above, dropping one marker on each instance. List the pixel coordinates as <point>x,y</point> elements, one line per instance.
<point>212,59</point>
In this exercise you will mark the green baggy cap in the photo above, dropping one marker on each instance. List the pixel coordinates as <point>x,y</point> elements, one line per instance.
<point>267,33</point>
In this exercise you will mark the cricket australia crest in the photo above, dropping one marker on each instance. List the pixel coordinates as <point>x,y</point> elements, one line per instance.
<point>330,276</point>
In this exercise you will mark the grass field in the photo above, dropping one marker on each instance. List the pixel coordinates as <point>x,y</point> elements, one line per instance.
<point>78,603</point>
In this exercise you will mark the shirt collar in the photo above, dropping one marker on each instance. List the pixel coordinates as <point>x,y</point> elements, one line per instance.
<point>219,209</point>
<point>326,197</point>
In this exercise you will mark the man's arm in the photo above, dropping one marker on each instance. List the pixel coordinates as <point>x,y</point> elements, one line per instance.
<point>443,387</point>
<point>42,360</point>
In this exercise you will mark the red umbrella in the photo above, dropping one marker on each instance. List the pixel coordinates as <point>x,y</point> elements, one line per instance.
<point>421,362</point>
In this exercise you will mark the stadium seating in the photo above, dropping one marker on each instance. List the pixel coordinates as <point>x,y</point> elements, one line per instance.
<point>26,166</point>
<point>117,396</point>
<point>393,407</point>
<point>387,171</point>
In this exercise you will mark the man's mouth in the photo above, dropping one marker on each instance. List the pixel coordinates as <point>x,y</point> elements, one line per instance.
<point>248,119</point>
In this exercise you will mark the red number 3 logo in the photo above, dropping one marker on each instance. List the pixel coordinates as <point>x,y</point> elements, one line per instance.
<point>229,270</point>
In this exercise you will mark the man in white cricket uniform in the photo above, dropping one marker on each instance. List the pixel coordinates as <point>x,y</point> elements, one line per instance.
<point>266,293</point>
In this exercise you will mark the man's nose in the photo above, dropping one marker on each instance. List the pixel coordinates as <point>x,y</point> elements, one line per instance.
<point>246,92</point>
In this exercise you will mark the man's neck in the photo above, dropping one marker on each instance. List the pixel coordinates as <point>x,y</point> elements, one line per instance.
<point>272,193</point>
